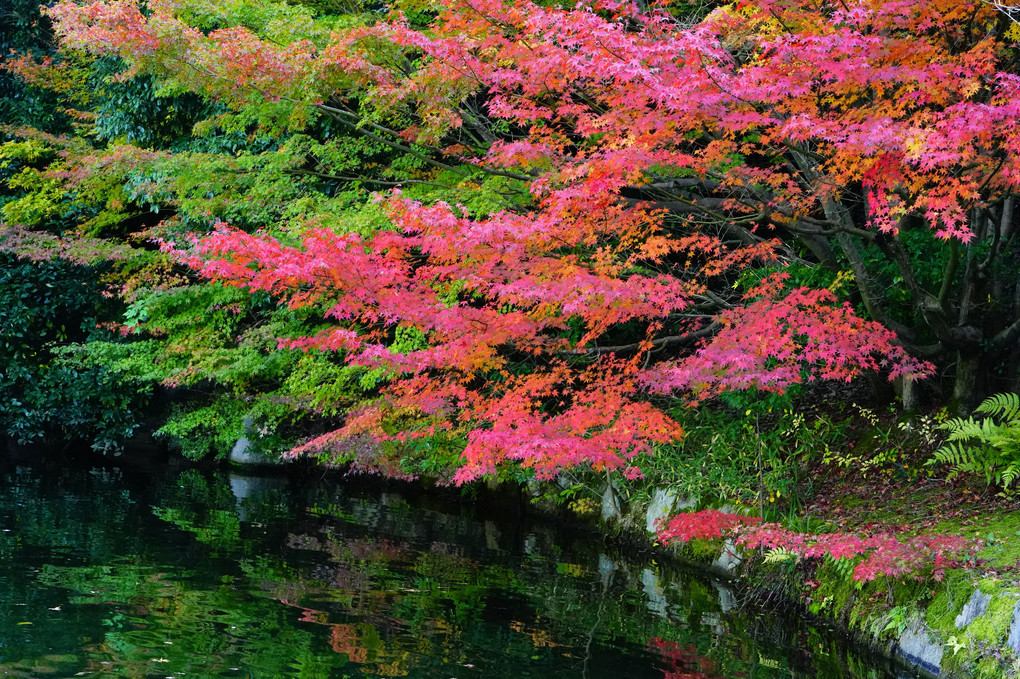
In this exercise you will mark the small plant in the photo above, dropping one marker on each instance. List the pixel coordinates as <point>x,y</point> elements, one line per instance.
<point>584,506</point>
<point>781,555</point>
<point>888,449</point>
<point>746,454</point>
<point>892,624</point>
<point>926,427</point>
<point>989,446</point>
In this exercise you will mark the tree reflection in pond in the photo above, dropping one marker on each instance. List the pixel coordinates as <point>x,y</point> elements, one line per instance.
<point>114,572</point>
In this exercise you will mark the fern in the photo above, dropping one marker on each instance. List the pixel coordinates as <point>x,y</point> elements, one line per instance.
<point>781,555</point>
<point>989,446</point>
<point>1004,406</point>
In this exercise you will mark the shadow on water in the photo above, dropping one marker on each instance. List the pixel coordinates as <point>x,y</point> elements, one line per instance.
<point>120,571</point>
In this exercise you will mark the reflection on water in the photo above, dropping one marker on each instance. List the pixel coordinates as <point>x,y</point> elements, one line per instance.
<point>114,572</point>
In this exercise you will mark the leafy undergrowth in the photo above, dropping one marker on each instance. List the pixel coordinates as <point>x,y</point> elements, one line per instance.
<point>882,606</point>
<point>964,508</point>
<point>931,506</point>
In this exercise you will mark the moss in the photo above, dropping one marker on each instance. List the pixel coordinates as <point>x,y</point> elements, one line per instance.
<point>955,660</point>
<point>990,586</point>
<point>1000,534</point>
<point>703,550</point>
<point>1004,548</point>
<point>993,626</point>
<point>988,668</point>
<point>976,650</point>
<point>950,598</point>
<point>842,593</point>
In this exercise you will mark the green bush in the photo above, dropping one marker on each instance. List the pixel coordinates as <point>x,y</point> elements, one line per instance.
<point>751,452</point>
<point>46,385</point>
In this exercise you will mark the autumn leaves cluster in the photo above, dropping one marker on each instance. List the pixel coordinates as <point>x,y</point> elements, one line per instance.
<point>582,214</point>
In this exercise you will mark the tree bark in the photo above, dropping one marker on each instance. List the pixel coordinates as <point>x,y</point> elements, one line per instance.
<point>966,386</point>
<point>909,394</point>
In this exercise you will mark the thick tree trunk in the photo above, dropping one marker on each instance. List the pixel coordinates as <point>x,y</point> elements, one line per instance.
<point>909,394</point>
<point>967,383</point>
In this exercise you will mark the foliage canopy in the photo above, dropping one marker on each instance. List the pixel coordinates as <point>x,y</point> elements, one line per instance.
<point>512,230</point>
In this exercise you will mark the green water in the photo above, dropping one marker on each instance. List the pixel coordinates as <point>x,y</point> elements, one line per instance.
<point>119,572</point>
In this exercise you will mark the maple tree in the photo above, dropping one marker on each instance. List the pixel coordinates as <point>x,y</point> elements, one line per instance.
<point>647,168</point>
<point>599,204</point>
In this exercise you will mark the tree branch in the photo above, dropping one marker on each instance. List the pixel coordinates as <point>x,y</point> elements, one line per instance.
<point>707,331</point>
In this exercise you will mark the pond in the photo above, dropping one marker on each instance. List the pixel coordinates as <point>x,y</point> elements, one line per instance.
<point>164,571</point>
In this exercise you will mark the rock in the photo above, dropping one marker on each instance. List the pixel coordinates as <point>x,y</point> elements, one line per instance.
<point>243,452</point>
<point>659,508</point>
<point>916,647</point>
<point>492,535</point>
<point>974,608</point>
<point>1014,630</point>
<point>535,488</point>
<point>729,558</point>
<point>610,504</point>
<point>530,544</point>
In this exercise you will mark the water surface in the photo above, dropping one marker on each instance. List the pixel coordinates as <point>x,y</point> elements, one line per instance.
<point>110,571</point>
